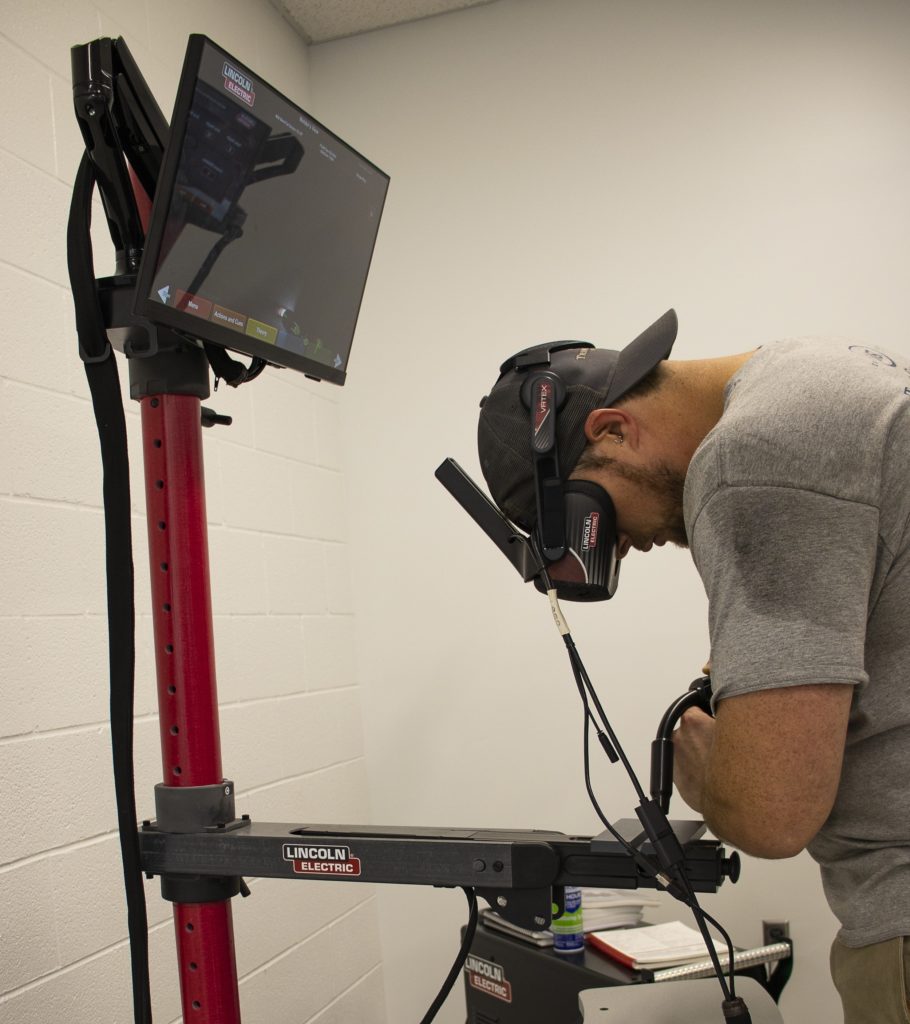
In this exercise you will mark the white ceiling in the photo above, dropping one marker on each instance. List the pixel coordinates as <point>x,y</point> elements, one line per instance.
<point>318,21</point>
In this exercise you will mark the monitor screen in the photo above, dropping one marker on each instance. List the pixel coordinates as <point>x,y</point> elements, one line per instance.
<point>263,222</point>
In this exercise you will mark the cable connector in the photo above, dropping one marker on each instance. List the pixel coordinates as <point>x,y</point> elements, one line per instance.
<point>604,741</point>
<point>667,847</point>
<point>736,1010</point>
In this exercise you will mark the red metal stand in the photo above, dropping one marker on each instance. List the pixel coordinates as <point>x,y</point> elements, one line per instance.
<point>185,663</point>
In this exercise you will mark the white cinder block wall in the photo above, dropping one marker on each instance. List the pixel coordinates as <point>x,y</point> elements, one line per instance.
<point>291,726</point>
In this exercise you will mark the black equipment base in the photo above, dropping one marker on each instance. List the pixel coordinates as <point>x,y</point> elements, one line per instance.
<point>509,981</point>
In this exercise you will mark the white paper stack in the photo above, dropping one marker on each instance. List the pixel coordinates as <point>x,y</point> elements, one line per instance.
<point>613,908</point>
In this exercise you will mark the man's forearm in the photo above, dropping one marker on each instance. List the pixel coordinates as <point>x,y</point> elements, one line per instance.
<point>730,817</point>
<point>764,772</point>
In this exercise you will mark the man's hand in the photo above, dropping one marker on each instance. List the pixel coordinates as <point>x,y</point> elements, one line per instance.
<point>692,742</point>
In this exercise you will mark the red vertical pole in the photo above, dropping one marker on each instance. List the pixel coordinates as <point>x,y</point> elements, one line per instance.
<point>185,662</point>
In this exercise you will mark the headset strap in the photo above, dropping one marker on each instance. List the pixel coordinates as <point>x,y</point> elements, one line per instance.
<point>539,355</point>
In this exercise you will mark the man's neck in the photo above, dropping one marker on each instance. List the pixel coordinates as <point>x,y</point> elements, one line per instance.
<point>690,403</point>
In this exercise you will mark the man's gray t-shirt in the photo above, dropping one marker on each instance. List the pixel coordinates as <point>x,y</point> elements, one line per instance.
<point>797,508</point>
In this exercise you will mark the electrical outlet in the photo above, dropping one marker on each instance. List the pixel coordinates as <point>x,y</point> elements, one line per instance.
<point>774,931</point>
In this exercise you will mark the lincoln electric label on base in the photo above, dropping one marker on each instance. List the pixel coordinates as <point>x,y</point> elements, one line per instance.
<point>322,861</point>
<point>488,977</point>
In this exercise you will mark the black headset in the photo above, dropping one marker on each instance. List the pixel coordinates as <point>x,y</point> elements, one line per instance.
<point>576,532</point>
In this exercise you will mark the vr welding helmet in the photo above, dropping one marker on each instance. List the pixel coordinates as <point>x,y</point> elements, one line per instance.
<point>530,436</point>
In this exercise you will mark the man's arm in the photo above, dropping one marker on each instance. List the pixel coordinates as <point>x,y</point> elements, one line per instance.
<point>764,772</point>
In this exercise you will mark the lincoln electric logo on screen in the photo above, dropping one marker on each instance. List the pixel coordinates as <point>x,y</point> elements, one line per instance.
<point>238,85</point>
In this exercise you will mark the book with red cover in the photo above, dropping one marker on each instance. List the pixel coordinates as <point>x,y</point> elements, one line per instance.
<point>653,946</point>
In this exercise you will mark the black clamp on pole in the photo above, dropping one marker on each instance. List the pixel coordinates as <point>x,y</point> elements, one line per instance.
<point>189,809</point>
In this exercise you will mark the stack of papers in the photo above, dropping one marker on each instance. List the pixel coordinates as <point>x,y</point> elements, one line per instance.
<point>613,908</point>
<point>656,945</point>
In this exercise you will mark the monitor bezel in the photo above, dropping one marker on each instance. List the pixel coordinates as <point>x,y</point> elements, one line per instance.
<point>187,323</point>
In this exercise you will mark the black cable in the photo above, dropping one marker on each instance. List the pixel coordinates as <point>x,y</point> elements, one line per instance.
<point>583,682</point>
<point>231,371</point>
<point>685,894</point>
<point>256,367</point>
<point>579,669</point>
<point>700,917</point>
<point>679,885</point>
<point>648,868</point>
<point>729,944</point>
<point>104,384</point>
<point>453,974</point>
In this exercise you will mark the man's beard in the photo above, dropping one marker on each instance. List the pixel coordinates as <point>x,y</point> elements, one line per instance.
<point>667,486</point>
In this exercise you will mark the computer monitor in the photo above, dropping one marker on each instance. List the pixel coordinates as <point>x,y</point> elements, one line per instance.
<point>263,222</point>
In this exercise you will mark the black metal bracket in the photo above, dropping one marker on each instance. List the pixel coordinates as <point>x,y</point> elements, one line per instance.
<point>519,872</point>
<point>184,810</point>
<point>161,361</point>
<point>195,808</point>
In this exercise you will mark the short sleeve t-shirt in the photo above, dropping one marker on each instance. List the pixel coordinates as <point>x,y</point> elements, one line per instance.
<point>796,509</point>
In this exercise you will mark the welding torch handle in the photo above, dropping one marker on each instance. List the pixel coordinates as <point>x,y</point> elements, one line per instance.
<point>697,696</point>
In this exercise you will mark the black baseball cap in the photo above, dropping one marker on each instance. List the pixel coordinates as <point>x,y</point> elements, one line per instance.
<point>594,378</point>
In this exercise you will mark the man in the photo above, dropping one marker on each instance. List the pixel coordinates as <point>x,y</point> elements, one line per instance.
<point>786,471</point>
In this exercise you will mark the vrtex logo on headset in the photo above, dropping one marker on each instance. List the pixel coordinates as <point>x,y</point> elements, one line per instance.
<point>543,404</point>
<point>322,860</point>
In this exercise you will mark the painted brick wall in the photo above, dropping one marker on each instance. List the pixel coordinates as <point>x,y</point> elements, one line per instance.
<point>291,726</point>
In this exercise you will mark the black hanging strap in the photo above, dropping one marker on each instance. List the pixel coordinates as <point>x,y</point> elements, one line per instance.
<point>104,384</point>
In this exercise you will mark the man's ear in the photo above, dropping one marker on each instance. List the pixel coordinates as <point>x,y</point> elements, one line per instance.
<point>604,424</point>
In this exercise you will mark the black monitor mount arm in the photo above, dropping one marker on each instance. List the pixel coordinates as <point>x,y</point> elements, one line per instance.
<point>123,130</point>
